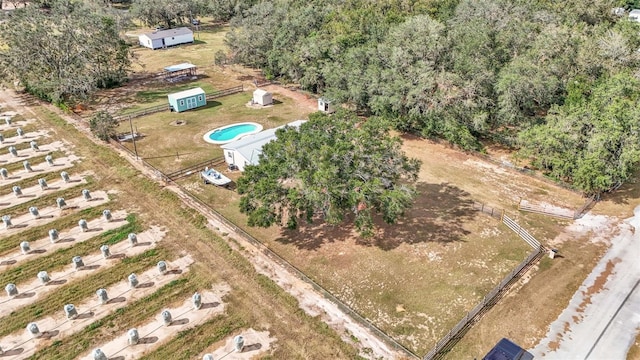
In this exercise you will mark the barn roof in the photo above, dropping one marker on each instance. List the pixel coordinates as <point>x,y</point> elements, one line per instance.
<point>186,93</point>
<point>178,67</point>
<point>168,33</point>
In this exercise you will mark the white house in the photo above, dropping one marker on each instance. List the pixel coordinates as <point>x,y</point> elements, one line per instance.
<point>247,150</point>
<point>634,15</point>
<point>262,97</point>
<point>165,38</point>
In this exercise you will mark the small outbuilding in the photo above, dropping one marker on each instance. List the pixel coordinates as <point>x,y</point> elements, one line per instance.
<point>262,97</point>
<point>164,38</point>
<point>187,100</point>
<point>634,15</point>
<point>325,106</point>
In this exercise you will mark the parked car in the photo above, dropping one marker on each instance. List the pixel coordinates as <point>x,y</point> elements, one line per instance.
<point>195,22</point>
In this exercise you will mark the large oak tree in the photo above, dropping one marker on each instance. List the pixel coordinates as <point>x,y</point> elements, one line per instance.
<point>63,53</point>
<point>331,168</point>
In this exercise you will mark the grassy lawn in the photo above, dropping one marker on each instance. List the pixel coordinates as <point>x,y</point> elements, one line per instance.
<point>158,96</point>
<point>208,40</point>
<point>170,147</point>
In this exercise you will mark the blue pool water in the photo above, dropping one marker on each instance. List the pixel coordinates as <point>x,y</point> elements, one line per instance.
<point>230,133</point>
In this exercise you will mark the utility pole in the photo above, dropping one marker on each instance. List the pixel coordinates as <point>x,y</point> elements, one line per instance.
<point>133,137</point>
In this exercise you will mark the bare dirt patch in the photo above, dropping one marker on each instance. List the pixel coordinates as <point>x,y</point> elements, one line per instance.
<point>35,290</point>
<point>154,333</point>
<point>91,310</point>
<point>255,343</point>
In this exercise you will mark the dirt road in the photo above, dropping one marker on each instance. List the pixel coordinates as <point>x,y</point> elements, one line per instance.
<point>603,317</point>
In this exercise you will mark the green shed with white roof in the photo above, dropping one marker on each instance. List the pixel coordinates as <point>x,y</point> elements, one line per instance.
<point>187,100</point>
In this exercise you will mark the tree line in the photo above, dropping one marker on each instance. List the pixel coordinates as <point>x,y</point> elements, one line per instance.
<point>530,74</point>
<point>63,50</point>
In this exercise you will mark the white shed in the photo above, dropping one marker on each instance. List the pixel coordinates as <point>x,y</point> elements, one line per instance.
<point>634,15</point>
<point>325,106</point>
<point>262,97</point>
<point>165,38</point>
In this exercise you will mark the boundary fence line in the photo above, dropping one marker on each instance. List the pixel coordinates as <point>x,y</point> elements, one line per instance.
<point>460,329</point>
<point>197,203</point>
<point>524,234</point>
<point>493,212</point>
<point>577,214</point>
<point>165,107</point>
<point>447,342</point>
<point>179,174</point>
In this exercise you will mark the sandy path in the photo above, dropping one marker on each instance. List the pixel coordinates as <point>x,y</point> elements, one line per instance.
<point>154,333</point>
<point>28,194</point>
<point>603,317</point>
<point>40,169</point>
<point>67,238</point>
<point>29,153</point>
<point>91,310</point>
<point>52,213</point>
<point>301,98</point>
<point>35,290</point>
<point>255,343</point>
<point>28,137</point>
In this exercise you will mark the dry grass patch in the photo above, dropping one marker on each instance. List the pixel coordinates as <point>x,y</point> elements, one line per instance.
<point>524,314</point>
<point>417,279</point>
<point>414,280</point>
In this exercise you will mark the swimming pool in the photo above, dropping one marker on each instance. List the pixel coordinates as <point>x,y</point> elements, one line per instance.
<point>229,133</point>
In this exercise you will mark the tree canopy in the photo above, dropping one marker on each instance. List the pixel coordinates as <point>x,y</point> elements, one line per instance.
<point>593,139</point>
<point>103,125</point>
<point>65,52</point>
<point>333,168</point>
<point>468,71</point>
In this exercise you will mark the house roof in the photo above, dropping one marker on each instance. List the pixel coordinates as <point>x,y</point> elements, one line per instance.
<point>186,93</point>
<point>161,34</point>
<point>260,92</point>
<point>178,67</point>
<point>634,12</point>
<point>250,146</point>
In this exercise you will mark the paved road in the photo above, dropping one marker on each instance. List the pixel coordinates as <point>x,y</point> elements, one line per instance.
<point>603,317</point>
